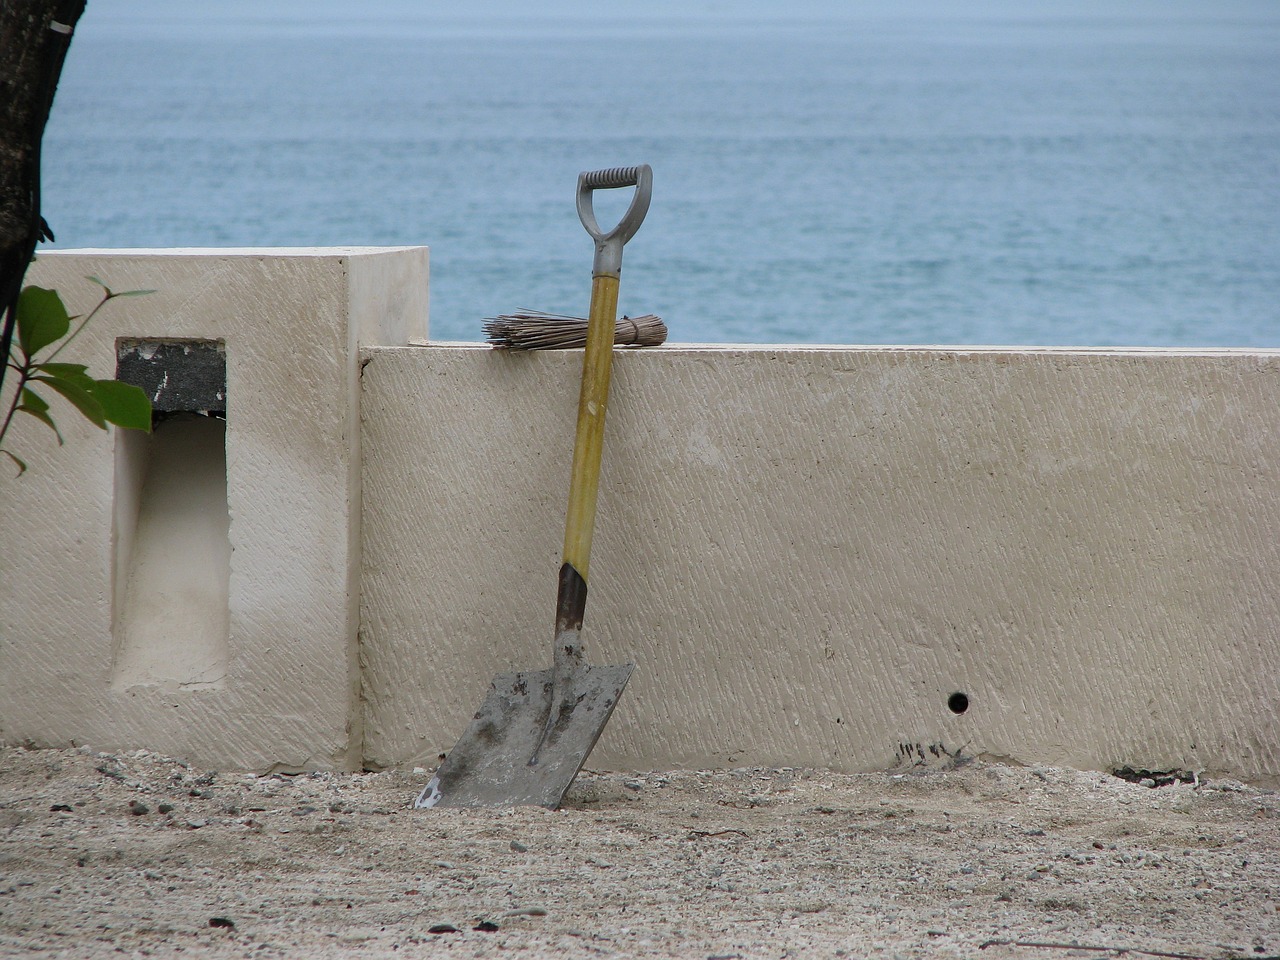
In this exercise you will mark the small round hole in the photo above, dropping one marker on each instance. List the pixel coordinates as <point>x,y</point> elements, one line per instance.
<point>958,702</point>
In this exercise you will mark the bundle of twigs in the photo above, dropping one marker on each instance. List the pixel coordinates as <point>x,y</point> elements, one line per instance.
<point>534,330</point>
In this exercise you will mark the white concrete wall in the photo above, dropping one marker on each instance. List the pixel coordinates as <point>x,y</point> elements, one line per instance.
<point>275,683</point>
<point>807,551</point>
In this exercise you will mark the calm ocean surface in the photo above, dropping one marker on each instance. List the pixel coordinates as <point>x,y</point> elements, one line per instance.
<point>1075,181</point>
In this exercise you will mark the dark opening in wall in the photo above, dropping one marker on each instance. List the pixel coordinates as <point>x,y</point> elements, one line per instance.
<point>958,702</point>
<point>180,376</point>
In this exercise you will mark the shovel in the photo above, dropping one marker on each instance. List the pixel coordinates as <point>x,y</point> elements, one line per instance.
<point>534,730</point>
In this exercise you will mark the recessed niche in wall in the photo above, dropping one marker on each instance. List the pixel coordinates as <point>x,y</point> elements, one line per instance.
<point>172,563</point>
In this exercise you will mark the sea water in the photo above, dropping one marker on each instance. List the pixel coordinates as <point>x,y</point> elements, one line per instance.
<point>1110,180</point>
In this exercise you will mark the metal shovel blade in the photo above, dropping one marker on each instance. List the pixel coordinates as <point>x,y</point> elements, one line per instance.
<point>490,765</point>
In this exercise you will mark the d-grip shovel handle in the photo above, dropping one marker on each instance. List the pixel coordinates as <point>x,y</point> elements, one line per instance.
<point>609,245</point>
<point>593,401</point>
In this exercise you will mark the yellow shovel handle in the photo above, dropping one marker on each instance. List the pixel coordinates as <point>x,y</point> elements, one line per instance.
<point>597,369</point>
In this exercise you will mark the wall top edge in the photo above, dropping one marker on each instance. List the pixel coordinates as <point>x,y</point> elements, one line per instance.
<point>255,252</point>
<point>1268,353</point>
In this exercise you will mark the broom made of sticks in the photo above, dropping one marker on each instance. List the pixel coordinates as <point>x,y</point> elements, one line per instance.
<point>535,330</point>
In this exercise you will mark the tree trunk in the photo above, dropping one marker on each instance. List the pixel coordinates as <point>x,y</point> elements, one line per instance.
<point>34,37</point>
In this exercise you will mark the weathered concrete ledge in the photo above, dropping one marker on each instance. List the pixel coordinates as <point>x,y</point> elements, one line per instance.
<point>808,552</point>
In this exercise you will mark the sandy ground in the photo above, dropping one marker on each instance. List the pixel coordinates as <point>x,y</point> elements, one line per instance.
<point>104,855</point>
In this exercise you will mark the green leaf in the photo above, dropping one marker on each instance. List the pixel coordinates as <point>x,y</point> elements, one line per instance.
<point>81,399</point>
<point>42,319</point>
<point>75,372</point>
<point>44,417</point>
<point>112,294</point>
<point>22,464</point>
<point>123,404</point>
<point>34,405</point>
<point>32,401</point>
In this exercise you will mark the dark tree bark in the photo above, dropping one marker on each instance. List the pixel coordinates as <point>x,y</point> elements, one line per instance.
<point>34,37</point>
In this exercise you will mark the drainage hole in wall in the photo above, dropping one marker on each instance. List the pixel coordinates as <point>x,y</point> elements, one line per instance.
<point>958,702</point>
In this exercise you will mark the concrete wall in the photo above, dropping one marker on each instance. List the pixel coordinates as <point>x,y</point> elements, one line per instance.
<point>196,591</point>
<point>808,551</point>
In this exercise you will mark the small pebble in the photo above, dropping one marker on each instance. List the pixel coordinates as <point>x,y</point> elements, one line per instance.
<point>197,824</point>
<point>165,808</point>
<point>519,847</point>
<point>138,808</point>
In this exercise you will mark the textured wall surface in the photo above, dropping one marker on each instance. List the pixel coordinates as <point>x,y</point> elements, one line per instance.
<point>286,687</point>
<point>808,551</point>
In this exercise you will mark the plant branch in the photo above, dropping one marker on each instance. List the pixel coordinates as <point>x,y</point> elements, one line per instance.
<point>76,332</point>
<point>24,374</point>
